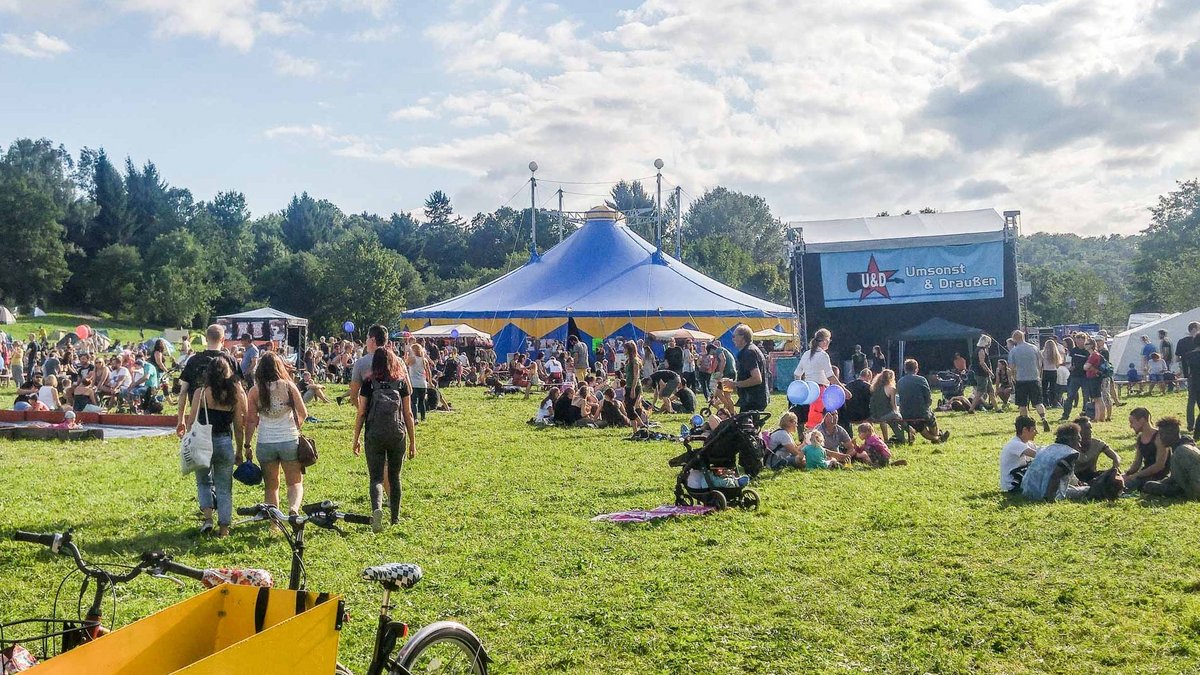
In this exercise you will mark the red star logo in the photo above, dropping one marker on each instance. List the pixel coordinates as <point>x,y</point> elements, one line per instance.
<point>875,280</point>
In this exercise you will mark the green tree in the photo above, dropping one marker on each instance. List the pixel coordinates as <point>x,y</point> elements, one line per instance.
<point>364,282</point>
<point>112,223</point>
<point>638,206</point>
<point>113,279</point>
<point>33,261</point>
<point>308,222</point>
<point>1173,234</point>
<point>745,219</point>
<point>176,281</point>
<point>292,284</point>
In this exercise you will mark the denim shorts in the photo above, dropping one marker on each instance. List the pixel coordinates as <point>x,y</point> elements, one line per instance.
<point>282,451</point>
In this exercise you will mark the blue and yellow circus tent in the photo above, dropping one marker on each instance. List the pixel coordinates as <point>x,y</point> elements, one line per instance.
<point>602,281</point>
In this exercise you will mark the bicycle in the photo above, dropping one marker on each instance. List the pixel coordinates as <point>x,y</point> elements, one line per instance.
<point>61,635</point>
<point>441,647</point>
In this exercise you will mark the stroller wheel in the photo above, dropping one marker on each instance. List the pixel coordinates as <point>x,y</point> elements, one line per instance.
<point>716,500</point>
<point>750,500</point>
<point>684,500</point>
<point>706,412</point>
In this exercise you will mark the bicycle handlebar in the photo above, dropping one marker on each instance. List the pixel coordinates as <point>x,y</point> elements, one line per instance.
<point>322,514</point>
<point>62,544</point>
<point>46,540</point>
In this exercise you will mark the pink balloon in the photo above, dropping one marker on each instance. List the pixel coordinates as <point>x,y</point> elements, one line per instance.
<point>82,331</point>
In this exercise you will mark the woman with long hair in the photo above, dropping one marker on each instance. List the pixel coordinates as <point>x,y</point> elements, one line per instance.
<point>883,404</point>
<point>1051,360</point>
<point>1004,382</point>
<point>220,402</point>
<point>814,366</point>
<point>384,408</point>
<point>276,409</point>
<point>633,383</point>
<point>418,377</point>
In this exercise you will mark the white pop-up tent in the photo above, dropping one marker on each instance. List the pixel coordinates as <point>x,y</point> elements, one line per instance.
<point>6,317</point>
<point>1127,345</point>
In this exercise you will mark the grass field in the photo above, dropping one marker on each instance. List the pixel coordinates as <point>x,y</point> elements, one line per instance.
<point>919,569</point>
<point>121,331</point>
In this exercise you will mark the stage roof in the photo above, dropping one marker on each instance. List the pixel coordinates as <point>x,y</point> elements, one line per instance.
<point>917,229</point>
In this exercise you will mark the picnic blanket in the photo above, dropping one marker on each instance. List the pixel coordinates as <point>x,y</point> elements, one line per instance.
<point>640,516</point>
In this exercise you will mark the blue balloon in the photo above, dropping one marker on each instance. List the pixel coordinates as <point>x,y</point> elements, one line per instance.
<point>348,326</point>
<point>834,398</point>
<point>796,392</point>
<point>454,333</point>
<point>697,420</point>
<point>814,392</point>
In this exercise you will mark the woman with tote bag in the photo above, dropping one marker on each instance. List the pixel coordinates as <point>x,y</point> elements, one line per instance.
<point>221,404</point>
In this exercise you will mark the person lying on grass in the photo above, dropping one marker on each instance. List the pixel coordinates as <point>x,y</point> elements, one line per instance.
<point>870,449</point>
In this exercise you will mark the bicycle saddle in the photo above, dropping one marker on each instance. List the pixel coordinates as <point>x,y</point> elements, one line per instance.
<point>404,575</point>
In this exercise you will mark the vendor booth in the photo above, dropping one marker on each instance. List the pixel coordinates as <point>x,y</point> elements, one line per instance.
<point>267,325</point>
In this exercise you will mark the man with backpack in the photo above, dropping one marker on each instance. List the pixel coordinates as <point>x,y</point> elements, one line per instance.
<point>196,370</point>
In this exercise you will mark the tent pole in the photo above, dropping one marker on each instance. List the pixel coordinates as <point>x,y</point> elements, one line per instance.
<point>678,223</point>
<point>658,164</point>
<point>533,167</point>
<point>560,215</point>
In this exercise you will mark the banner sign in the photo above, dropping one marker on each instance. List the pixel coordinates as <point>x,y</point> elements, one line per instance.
<point>918,274</point>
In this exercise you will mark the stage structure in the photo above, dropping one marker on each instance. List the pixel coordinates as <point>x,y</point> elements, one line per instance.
<point>871,279</point>
<point>267,325</point>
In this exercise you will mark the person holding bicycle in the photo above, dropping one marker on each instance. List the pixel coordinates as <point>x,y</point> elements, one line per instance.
<point>275,407</point>
<point>221,403</point>
<point>384,410</point>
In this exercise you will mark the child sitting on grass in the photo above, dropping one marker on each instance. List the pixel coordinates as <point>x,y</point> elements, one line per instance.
<point>815,454</point>
<point>870,449</point>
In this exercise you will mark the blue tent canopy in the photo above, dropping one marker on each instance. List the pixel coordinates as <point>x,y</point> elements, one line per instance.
<point>602,281</point>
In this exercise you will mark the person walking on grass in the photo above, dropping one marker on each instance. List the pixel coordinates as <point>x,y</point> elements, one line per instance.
<point>983,375</point>
<point>385,413</point>
<point>419,377</point>
<point>219,402</point>
<point>195,371</point>
<point>1027,365</point>
<point>275,408</point>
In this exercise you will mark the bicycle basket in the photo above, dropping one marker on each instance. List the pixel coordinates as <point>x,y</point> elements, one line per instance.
<point>45,638</point>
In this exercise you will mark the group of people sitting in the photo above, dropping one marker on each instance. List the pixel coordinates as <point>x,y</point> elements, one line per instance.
<point>1165,463</point>
<point>826,446</point>
<point>61,378</point>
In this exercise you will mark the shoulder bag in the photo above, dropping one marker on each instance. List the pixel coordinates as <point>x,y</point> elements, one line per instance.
<point>196,448</point>
<point>306,448</point>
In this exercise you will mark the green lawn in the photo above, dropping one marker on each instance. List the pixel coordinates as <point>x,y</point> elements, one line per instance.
<point>924,568</point>
<point>121,331</point>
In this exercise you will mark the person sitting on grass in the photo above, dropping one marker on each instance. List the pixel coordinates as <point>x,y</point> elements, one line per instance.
<point>1184,477</point>
<point>310,389</point>
<point>545,413</point>
<point>1017,452</point>
<point>686,402</point>
<point>1150,460</point>
<point>817,457</point>
<point>1090,451</point>
<point>870,449</point>
<point>612,413</point>
<point>587,406</point>
<point>834,437</point>
<point>565,413</point>
<point>782,450</point>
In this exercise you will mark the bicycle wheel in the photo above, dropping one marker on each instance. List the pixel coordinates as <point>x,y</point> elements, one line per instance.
<point>443,648</point>
<point>340,669</point>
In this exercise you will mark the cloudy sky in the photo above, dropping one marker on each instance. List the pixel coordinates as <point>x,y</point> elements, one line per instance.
<point>1077,112</point>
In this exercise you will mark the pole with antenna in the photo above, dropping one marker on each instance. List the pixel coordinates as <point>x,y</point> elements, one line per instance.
<point>658,164</point>
<point>533,254</point>
<point>560,215</point>
<point>678,223</point>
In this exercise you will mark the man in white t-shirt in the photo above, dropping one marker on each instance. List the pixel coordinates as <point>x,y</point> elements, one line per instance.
<point>1018,451</point>
<point>555,369</point>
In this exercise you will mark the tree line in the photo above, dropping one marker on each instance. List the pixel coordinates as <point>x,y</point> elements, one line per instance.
<point>82,232</point>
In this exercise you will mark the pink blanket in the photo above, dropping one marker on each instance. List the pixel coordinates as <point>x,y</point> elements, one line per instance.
<point>639,516</point>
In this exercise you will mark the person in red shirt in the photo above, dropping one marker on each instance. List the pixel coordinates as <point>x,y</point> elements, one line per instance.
<point>1093,380</point>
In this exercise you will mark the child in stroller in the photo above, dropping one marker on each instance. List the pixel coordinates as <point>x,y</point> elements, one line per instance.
<point>708,474</point>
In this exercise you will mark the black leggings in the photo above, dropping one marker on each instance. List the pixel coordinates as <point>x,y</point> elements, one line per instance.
<point>383,456</point>
<point>1050,388</point>
<point>419,399</point>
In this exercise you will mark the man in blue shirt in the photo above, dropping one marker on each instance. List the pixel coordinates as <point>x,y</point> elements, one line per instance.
<point>249,360</point>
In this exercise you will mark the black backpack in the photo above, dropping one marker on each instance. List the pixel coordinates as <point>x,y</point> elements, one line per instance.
<point>385,414</point>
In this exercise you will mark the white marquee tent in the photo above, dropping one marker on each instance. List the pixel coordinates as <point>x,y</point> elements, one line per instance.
<point>1127,345</point>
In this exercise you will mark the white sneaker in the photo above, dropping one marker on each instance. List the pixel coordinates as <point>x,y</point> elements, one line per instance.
<point>377,520</point>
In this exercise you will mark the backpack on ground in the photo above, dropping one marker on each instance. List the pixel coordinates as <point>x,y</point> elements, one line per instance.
<point>385,421</point>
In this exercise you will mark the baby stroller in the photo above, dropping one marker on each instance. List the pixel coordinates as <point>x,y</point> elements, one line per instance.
<point>736,441</point>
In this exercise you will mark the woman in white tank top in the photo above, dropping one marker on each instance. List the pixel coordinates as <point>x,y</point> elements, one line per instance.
<point>418,378</point>
<point>276,411</point>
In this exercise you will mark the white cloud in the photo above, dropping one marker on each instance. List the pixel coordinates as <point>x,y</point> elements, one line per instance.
<point>381,33</point>
<point>36,45</point>
<point>1078,112</point>
<point>235,23</point>
<point>412,112</point>
<point>296,66</point>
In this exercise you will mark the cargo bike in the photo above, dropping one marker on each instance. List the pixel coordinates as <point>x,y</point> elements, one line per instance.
<point>241,624</point>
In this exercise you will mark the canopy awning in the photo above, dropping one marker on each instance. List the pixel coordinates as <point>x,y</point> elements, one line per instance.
<point>266,314</point>
<point>682,334</point>
<point>772,334</point>
<point>453,330</point>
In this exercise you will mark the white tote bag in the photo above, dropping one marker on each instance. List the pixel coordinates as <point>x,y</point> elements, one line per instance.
<point>196,449</point>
